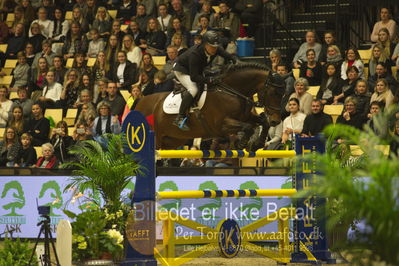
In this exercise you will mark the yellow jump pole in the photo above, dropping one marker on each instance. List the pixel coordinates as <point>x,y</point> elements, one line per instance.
<point>224,154</point>
<point>225,193</point>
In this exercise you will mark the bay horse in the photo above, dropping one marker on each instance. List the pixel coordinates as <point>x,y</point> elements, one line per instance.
<point>228,108</point>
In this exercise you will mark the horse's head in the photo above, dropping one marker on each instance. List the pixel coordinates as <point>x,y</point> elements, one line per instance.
<point>270,96</point>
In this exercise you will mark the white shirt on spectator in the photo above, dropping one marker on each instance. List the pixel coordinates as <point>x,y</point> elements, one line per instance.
<point>4,111</point>
<point>294,122</point>
<point>391,26</point>
<point>358,63</point>
<point>53,92</point>
<point>46,29</point>
<point>164,22</point>
<point>95,47</point>
<point>119,73</point>
<point>135,55</point>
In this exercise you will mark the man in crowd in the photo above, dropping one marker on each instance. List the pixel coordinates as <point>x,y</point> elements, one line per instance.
<point>316,121</point>
<point>115,100</point>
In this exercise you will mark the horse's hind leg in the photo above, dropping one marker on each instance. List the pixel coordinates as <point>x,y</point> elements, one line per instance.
<point>233,126</point>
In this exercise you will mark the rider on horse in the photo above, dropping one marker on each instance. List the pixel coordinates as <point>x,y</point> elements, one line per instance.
<point>189,70</point>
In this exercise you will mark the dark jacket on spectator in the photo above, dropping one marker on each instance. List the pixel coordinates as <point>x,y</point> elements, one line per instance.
<point>81,44</point>
<point>36,41</point>
<point>15,44</point>
<point>117,105</point>
<point>125,13</point>
<point>8,154</point>
<point>315,123</point>
<point>137,37</point>
<point>313,75</point>
<point>356,120</point>
<point>42,126</point>
<point>363,104</point>
<point>334,87</point>
<point>166,86</point>
<point>61,147</point>
<point>156,39</point>
<point>26,157</point>
<point>129,75</point>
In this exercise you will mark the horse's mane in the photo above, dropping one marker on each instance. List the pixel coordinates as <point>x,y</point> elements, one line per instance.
<point>231,68</point>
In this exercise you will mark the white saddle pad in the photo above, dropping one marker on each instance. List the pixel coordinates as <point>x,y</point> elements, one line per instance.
<point>172,103</point>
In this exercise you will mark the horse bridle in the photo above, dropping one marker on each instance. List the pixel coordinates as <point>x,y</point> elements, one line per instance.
<point>269,82</point>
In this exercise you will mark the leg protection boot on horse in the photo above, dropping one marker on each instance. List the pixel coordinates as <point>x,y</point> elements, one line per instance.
<point>181,118</point>
<point>243,143</point>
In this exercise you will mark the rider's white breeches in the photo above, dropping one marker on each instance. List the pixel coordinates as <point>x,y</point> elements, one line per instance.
<point>186,81</point>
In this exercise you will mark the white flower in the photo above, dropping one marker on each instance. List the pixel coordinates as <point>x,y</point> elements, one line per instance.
<point>116,235</point>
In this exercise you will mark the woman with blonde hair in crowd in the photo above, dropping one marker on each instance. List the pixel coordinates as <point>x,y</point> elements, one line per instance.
<point>87,114</point>
<point>350,116</point>
<point>9,147</point>
<point>382,93</point>
<point>301,86</point>
<point>147,65</point>
<point>69,94</point>
<point>177,41</point>
<point>103,22</point>
<point>384,40</point>
<point>334,56</point>
<point>111,51</point>
<point>17,120</point>
<point>378,55</point>
<point>155,39</point>
<point>385,22</point>
<point>77,16</point>
<point>133,52</point>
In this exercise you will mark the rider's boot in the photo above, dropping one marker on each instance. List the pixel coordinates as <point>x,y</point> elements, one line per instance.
<point>181,118</point>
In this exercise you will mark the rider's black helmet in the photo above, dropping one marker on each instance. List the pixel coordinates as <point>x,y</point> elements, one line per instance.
<point>212,38</point>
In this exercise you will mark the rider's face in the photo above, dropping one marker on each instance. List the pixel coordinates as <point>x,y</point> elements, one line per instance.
<point>210,49</point>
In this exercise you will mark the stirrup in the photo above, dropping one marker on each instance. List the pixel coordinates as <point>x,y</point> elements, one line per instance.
<point>181,124</point>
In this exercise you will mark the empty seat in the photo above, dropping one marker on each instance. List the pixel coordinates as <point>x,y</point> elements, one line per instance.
<point>365,55</point>
<point>68,15</point>
<point>55,114</point>
<point>10,63</point>
<point>71,116</point>
<point>3,47</point>
<point>159,61</point>
<point>6,80</point>
<point>39,151</point>
<point>91,62</point>
<point>295,71</point>
<point>313,90</point>
<point>334,111</point>
<point>69,62</point>
<point>13,95</point>
<point>113,13</point>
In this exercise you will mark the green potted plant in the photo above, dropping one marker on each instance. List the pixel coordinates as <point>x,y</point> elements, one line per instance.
<point>100,167</point>
<point>361,191</point>
<point>16,252</point>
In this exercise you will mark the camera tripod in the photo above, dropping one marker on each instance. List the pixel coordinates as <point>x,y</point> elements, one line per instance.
<point>48,238</point>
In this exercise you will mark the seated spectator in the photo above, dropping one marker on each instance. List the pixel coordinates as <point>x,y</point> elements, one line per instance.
<point>362,96</point>
<point>273,139</point>
<point>311,69</point>
<point>300,56</point>
<point>21,72</point>
<point>132,101</point>
<point>133,52</point>
<point>189,162</point>
<point>96,44</point>
<point>48,160</point>
<point>36,38</point>
<point>293,124</point>
<point>316,121</point>
<point>146,84</point>
<point>177,41</point>
<point>197,39</point>
<point>61,141</point>
<point>147,65</point>
<point>150,7</point>
<point>38,78</point>
<point>162,84</point>
<point>75,41</point>
<point>155,39</point>
<point>305,98</point>
<point>385,42</point>
<point>221,144</point>
<point>49,6</point>
<point>5,106</point>
<point>111,53</point>
<point>203,25</point>
<point>27,154</point>
<point>114,100</point>
<point>16,42</point>
<point>100,69</point>
<point>177,11</point>
<point>375,109</point>
<point>352,58</point>
<point>331,84</point>
<point>251,14</point>
<point>164,17</point>
<point>378,55</point>
<point>102,93</point>
<point>29,11</point>
<point>103,22</point>
<point>78,17</point>
<point>381,72</point>
<point>275,58</point>
<point>38,126</point>
<point>289,87</point>
<point>116,30</point>
<point>126,10</point>
<point>19,18</point>
<point>329,41</point>
<point>136,32</point>
<point>206,9</point>
<point>141,17</point>
<point>16,120</point>
<point>226,21</point>
<point>394,145</point>
<point>9,147</point>
<point>24,102</point>
<point>3,32</point>
<point>348,86</point>
<point>52,92</point>
<point>334,56</point>
<point>350,116</point>
<point>87,114</point>
<point>125,72</point>
<point>59,69</point>
<point>69,94</point>
<point>61,25</point>
<point>171,52</point>
<point>80,64</point>
<point>91,10</point>
<point>46,25</point>
<point>177,27</point>
<point>29,53</point>
<point>105,122</point>
<point>382,93</point>
<point>385,22</point>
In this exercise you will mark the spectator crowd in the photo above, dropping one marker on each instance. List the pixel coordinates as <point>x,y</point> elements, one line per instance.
<point>54,44</point>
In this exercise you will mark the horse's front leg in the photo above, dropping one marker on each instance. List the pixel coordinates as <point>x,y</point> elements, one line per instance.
<point>231,126</point>
<point>257,140</point>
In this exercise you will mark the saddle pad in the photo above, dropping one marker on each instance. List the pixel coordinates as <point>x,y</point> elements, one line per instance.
<point>172,103</point>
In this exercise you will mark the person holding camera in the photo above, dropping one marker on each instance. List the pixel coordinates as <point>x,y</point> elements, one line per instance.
<point>82,133</point>
<point>61,141</point>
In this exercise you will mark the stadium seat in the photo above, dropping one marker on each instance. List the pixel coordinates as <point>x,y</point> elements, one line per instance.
<point>313,90</point>
<point>55,114</point>
<point>125,94</point>
<point>69,63</point>
<point>39,151</point>
<point>91,62</point>
<point>216,8</point>
<point>365,55</point>
<point>159,61</point>
<point>334,111</point>
<point>3,47</point>
<point>124,27</point>
<point>6,80</point>
<point>366,73</point>
<point>10,19</point>
<point>295,71</point>
<point>7,71</point>
<point>68,15</point>
<point>394,70</point>
<point>71,116</point>
<point>2,130</point>
<point>10,63</point>
<point>13,95</point>
<point>113,13</point>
